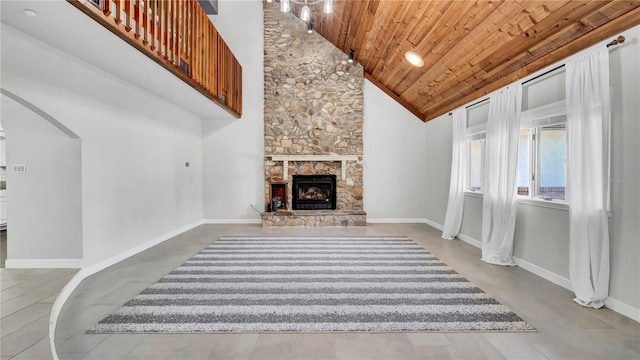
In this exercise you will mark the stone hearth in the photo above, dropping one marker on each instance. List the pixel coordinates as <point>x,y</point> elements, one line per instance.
<point>314,218</point>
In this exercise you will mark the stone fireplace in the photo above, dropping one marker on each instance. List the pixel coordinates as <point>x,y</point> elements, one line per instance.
<point>313,118</point>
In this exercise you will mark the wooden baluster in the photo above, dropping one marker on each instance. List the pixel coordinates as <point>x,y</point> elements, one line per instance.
<point>183,31</point>
<point>195,46</point>
<point>204,50</point>
<point>146,21</point>
<point>176,36</point>
<point>128,14</point>
<point>180,32</point>
<point>170,30</point>
<point>221,68</point>
<point>153,24</point>
<point>137,17</point>
<point>118,17</point>
<point>238,108</point>
<point>206,55</point>
<point>106,7</point>
<point>200,54</point>
<point>209,60</point>
<point>167,29</point>
<point>176,32</point>
<point>161,26</point>
<point>189,25</point>
<point>229,75</point>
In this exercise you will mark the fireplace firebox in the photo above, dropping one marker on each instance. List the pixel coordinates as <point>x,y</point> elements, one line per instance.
<point>313,192</point>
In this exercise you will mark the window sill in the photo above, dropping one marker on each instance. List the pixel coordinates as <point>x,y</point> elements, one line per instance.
<point>544,203</point>
<point>473,194</point>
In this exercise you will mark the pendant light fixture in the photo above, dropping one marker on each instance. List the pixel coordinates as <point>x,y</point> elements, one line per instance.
<point>305,13</point>
<point>285,6</point>
<point>328,6</point>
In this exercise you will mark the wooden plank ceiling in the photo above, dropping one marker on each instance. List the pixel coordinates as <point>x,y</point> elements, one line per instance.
<point>470,48</point>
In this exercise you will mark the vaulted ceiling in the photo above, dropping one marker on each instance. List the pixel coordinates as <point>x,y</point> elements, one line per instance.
<point>470,48</point>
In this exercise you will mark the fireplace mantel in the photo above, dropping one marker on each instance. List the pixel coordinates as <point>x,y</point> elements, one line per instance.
<point>332,158</point>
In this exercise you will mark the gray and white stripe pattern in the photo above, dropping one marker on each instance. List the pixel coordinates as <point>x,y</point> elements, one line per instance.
<point>311,284</point>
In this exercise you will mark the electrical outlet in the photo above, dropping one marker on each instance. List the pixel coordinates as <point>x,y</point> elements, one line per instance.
<point>19,168</point>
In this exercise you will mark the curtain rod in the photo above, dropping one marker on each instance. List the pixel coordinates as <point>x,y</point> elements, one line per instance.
<point>617,41</point>
<point>476,103</point>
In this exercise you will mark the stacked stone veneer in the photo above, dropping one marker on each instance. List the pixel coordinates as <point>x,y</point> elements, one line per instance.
<point>313,106</point>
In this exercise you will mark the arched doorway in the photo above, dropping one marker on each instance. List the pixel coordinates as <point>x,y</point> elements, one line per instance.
<point>43,188</point>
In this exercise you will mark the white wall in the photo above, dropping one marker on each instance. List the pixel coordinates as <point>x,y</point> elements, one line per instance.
<point>542,234</point>
<point>135,186</point>
<point>233,149</point>
<point>437,158</point>
<point>45,203</point>
<point>624,225</point>
<point>394,172</point>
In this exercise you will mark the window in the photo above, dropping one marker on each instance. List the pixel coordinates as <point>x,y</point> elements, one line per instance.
<point>552,157</point>
<point>542,162</point>
<point>474,171</point>
<point>524,157</point>
<point>542,147</point>
<point>477,116</point>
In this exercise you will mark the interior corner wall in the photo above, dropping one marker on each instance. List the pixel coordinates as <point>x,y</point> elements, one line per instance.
<point>136,187</point>
<point>542,234</point>
<point>44,203</point>
<point>437,158</point>
<point>393,166</point>
<point>233,150</point>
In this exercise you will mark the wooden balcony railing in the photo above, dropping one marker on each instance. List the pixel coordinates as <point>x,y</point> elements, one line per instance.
<point>178,35</point>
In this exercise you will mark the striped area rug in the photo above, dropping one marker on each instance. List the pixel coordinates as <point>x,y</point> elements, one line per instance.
<point>311,284</point>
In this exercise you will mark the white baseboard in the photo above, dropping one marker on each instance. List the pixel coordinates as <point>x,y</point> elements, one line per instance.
<point>613,304</point>
<point>544,273</point>
<point>90,270</point>
<point>396,220</point>
<point>231,221</point>
<point>43,263</point>
<point>469,240</point>
<point>622,308</point>
<point>434,224</point>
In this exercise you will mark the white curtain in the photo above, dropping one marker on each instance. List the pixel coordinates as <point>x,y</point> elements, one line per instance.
<point>499,180</point>
<point>587,86</point>
<point>455,204</point>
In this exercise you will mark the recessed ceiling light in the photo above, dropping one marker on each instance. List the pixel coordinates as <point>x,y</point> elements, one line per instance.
<point>414,59</point>
<point>30,13</point>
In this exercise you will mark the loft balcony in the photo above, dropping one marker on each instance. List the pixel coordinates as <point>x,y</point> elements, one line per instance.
<point>178,35</point>
<point>191,65</point>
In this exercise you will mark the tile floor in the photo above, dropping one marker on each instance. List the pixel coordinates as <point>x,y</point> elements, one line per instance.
<point>27,297</point>
<point>565,330</point>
